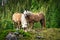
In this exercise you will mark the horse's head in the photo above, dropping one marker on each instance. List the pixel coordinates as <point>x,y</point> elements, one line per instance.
<point>27,13</point>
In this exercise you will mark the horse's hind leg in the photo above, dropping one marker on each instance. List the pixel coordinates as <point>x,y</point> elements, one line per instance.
<point>15,25</point>
<point>42,23</point>
<point>19,24</point>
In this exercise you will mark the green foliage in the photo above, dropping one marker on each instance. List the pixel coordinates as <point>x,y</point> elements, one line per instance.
<point>3,34</point>
<point>6,24</point>
<point>51,9</point>
<point>26,34</point>
<point>47,34</point>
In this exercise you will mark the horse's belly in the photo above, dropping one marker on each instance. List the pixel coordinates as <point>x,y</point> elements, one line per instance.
<point>37,19</point>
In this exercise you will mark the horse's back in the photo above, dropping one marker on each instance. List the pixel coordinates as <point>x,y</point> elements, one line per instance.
<point>38,17</point>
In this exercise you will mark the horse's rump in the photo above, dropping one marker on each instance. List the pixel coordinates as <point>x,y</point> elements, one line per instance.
<point>16,17</point>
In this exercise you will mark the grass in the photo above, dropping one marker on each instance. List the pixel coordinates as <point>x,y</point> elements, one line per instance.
<point>44,34</point>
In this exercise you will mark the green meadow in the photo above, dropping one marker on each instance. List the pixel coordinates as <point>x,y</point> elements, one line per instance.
<point>50,8</point>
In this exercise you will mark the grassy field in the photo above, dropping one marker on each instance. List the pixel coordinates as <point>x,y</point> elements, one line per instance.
<point>38,34</point>
<point>45,34</point>
<point>50,8</point>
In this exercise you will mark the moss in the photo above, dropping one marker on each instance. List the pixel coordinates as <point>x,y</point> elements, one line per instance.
<point>47,34</point>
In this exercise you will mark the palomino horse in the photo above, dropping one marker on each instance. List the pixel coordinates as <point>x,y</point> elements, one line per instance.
<point>19,19</point>
<point>31,18</point>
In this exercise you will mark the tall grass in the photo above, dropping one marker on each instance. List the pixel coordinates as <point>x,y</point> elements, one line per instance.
<point>48,7</point>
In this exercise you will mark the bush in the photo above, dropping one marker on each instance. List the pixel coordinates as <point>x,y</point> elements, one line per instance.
<point>3,34</point>
<point>26,34</point>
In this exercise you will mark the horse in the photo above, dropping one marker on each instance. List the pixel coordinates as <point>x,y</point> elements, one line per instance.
<point>32,18</point>
<point>19,20</point>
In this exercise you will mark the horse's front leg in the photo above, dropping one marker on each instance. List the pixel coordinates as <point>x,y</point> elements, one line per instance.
<point>31,25</point>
